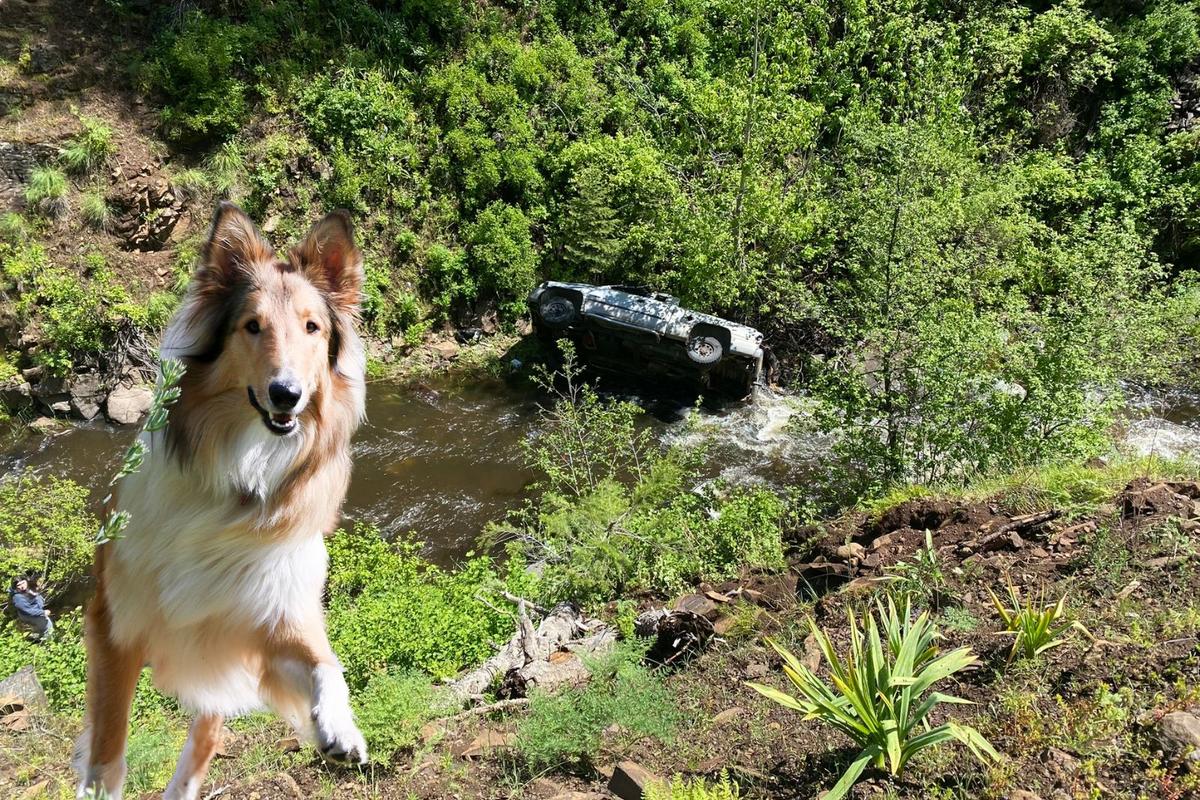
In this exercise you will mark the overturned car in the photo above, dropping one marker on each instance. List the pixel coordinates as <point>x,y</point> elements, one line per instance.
<point>635,331</point>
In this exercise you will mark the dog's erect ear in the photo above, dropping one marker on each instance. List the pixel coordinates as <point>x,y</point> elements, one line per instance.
<point>234,243</point>
<point>329,259</point>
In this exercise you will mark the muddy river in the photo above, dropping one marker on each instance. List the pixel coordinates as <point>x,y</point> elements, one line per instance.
<point>437,463</point>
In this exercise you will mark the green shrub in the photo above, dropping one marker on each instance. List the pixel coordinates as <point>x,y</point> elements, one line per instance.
<point>226,169</point>
<point>94,211</point>
<point>878,697</point>
<point>373,584</point>
<point>617,512</point>
<point>198,70</point>
<point>91,148</point>
<point>13,228</point>
<point>47,192</point>
<point>191,184</point>
<point>76,315</point>
<point>45,524</point>
<point>699,789</point>
<point>392,709</point>
<point>567,728</point>
<point>500,251</point>
<point>1034,626</point>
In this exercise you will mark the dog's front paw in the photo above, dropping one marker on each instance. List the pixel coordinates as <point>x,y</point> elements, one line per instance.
<point>338,738</point>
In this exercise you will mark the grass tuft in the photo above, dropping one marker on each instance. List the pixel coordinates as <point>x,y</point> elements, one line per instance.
<point>91,148</point>
<point>47,192</point>
<point>94,211</point>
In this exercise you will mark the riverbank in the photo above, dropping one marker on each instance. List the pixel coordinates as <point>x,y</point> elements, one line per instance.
<point>1083,719</point>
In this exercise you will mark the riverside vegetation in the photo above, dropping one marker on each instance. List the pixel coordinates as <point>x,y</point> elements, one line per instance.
<point>966,229</point>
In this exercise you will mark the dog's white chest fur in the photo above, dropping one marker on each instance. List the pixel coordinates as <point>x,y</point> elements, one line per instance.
<point>191,578</point>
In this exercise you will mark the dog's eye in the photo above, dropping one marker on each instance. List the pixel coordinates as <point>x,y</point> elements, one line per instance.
<point>312,327</point>
<point>252,327</point>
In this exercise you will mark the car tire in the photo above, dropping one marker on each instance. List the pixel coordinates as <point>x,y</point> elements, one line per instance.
<point>704,348</point>
<point>557,312</point>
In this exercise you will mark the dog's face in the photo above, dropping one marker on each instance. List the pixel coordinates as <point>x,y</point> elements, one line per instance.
<point>273,327</point>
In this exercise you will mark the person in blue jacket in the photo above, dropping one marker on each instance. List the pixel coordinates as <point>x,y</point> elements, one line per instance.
<point>31,611</point>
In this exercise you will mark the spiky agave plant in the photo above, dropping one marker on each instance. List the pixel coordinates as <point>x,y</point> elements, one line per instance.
<point>878,697</point>
<point>1036,626</point>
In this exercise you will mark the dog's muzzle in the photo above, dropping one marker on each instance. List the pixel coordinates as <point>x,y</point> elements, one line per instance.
<point>280,424</point>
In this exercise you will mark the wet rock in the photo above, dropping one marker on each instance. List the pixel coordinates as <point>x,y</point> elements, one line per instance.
<point>629,781</point>
<point>61,407</point>
<point>33,374</point>
<point>1178,736</point>
<point>15,394</point>
<point>128,404</point>
<point>47,426</point>
<point>87,394</point>
<point>24,689</point>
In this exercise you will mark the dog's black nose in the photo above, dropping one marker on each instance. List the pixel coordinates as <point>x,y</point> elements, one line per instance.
<point>284,394</point>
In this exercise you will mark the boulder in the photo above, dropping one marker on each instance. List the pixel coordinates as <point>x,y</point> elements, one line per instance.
<point>23,688</point>
<point>1178,735</point>
<point>87,394</point>
<point>47,425</point>
<point>128,404</point>
<point>15,394</point>
<point>446,349</point>
<point>629,781</point>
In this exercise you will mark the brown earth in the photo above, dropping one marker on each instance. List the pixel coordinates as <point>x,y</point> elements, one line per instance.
<point>1076,722</point>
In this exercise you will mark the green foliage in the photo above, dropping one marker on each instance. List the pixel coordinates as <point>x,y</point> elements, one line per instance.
<point>567,728</point>
<point>373,584</point>
<point>47,192</point>
<point>191,184</point>
<point>76,315</point>
<point>699,789</point>
<point>879,694</point>
<point>196,69</point>
<point>46,525</point>
<point>500,250</point>
<point>91,148</point>
<point>1034,626</point>
<point>922,576</point>
<point>94,211</point>
<point>61,663</point>
<point>391,710</point>
<point>617,512</point>
<point>13,228</point>
<point>152,750</point>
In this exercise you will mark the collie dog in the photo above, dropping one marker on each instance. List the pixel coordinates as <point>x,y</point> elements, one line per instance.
<point>216,583</point>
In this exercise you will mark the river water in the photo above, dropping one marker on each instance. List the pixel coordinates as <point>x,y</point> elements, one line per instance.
<point>436,463</point>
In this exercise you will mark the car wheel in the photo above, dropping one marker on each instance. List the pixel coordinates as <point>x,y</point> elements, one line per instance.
<point>557,311</point>
<point>704,348</point>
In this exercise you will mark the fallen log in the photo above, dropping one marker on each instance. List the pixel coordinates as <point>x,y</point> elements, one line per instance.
<point>527,653</point>
<point>551,654</point>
